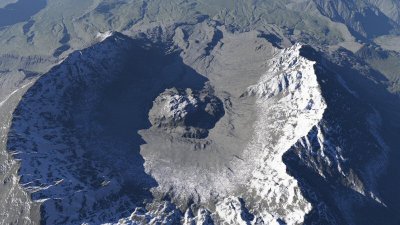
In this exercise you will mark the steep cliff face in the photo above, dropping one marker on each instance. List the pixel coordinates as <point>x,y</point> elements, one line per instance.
<point>289,104</point>
<point>345,153</point>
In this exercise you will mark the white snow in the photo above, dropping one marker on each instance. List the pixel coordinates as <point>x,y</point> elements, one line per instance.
<point>14,92</point>
<point>290,104</point>
<point>104,35</point>
<point>177,106</point>
<point>230,211</point>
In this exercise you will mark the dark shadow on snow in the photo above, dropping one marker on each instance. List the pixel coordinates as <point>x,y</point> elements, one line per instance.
<point>346,120</point>
<point>79,125</point>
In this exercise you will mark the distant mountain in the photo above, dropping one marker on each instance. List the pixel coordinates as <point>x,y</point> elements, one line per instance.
<point>364,18</point>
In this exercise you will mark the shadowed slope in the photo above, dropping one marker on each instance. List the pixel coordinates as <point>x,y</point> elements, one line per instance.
<point>75,130</point>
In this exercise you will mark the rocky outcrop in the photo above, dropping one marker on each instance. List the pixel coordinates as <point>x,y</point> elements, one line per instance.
<point>190,113</point>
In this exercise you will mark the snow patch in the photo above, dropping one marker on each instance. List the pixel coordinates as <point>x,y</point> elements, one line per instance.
<point>15,91</point>
<point>290,104</point>
<point>101,36</point>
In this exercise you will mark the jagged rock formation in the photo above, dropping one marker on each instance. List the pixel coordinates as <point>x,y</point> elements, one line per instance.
<point>290,104</point>
<point>331,152</point>
<point>187,112</point>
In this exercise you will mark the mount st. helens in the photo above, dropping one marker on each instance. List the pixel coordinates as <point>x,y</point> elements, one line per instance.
<point>99,141</point>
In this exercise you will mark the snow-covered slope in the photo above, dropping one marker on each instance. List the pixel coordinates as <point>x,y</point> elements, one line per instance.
<point>339,162</point>
<point>60,136</point>
<point>288,104</point>
<point>126,132</point>
<point>80,166</point>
